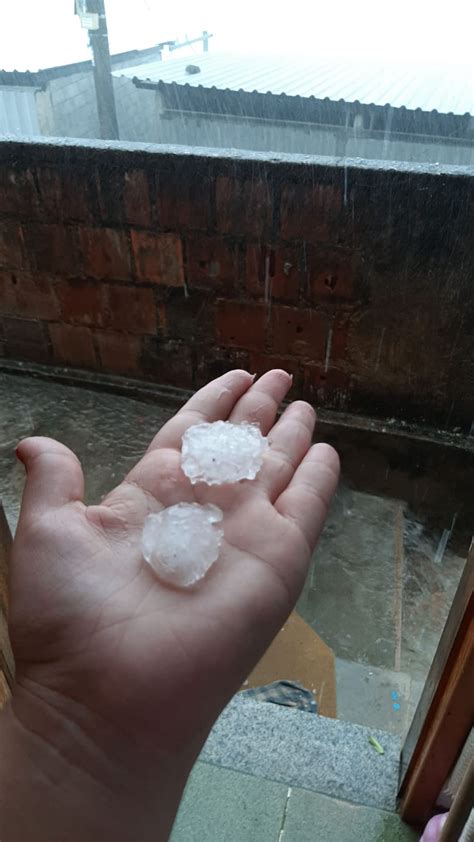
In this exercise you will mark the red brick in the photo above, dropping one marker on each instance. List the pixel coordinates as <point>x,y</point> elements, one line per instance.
<point>26,294</point>
<point>307,211</point>
<point>162,315</point>
<point>109,183</point>
<point>322,386</point>
<point>136,198</point>
<point>73,345</point>
<point>81,302</point>
<point>130,308</point>
<point>51,248</point>
<point>190,318</point>
<point>261,363</point>
<point>158,258</point>
<point>339,340</point>
<point>12,252</point>
<point>243,207</point>
<point>299,333</point>
<point>18,192</point>
<point>26,339</point>
<point>64,194</point>
<point>212,263</point>
<point>241,324</point>
<point>105,253</point>
<point>183,201</point>
<point>219,362</point>
<point>331,274</point>
<point>169,363</point>
<point>119,352</point>
<point>283,267</point>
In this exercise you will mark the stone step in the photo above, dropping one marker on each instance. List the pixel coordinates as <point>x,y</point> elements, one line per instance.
<point>305,750</point>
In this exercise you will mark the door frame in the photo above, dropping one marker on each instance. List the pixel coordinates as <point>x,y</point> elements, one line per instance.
<point>445,712</point>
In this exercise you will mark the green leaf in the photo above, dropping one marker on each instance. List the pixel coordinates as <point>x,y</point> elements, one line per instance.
<point>376,745</point>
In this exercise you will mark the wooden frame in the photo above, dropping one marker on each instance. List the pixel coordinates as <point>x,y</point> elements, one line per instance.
<point>445,713</point>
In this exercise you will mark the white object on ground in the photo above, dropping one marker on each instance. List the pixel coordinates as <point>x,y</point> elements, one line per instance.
<point>222,452</point>
<point>182,542</point>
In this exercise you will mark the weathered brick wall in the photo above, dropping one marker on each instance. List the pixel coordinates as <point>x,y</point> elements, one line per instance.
<point>176,267</point>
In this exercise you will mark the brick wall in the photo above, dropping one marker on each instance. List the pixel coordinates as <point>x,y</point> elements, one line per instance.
<point>177,266</point>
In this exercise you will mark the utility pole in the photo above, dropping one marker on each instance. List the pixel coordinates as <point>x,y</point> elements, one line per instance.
<point>94,10</point>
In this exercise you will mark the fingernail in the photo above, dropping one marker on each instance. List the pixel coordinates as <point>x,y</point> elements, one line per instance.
<point>18,455</point>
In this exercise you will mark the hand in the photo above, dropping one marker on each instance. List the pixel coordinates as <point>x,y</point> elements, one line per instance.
<point>137,668</point>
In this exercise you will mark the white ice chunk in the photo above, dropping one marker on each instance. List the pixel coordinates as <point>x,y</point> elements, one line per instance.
<point>222,452</point>
<point>182,542</point>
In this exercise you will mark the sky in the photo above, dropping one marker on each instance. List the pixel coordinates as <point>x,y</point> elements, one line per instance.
<point>43,33</point>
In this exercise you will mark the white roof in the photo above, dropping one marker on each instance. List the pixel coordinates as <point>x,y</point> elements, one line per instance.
<point>442,89</point>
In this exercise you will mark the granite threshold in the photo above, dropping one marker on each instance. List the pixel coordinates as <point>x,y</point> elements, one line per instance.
<point>308,751</point>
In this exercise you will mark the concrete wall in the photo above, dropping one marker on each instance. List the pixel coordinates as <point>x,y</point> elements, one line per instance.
<point>136,115</point>
<point>67,108</point>
<point>18,111</point>
<point>264,135</point>
<point>175,266</point>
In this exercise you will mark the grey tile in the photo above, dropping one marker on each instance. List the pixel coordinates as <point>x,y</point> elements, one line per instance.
<point>316,818</point>
<point>350,593</point>
<point>378,698</point>
<point>107,432</point>
<point>428,592</point>
<point>306,750</point>
<point>224,806</point>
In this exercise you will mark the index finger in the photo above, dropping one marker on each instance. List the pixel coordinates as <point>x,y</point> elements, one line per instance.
<point>213,402</point>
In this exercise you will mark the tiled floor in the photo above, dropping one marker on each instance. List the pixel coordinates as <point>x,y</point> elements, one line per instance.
<point>378,698</point>
<point>221,805</point>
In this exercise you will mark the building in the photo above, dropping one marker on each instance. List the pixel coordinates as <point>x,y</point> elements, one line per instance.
<point>305,106</point>
<point>351,110</point>
<point>58,101</point>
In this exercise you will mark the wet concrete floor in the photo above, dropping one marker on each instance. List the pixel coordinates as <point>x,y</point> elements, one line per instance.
<point>381,582</point>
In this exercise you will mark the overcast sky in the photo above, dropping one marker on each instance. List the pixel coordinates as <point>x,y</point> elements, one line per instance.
<point>42,33</point>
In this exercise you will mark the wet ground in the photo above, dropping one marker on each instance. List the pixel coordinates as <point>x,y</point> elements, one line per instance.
<point>381,582</point>
<point>379,592</point>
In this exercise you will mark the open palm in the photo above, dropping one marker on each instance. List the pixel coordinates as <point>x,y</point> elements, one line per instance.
<point>90,621</point>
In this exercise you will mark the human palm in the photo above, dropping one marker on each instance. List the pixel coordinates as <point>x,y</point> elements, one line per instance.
<point>92,626</point>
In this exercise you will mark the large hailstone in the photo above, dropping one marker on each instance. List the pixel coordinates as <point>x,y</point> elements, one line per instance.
<point>182,542</point>
<point>222,452</point>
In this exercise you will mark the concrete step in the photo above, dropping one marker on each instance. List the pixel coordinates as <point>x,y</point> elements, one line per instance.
<point>305,750</point>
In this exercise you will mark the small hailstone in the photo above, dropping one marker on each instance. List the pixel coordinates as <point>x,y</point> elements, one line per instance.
<point>222,452</point>
<point>182,542</point>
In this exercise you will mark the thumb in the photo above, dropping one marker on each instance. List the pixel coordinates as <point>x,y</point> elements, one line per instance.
<point>53,474</point>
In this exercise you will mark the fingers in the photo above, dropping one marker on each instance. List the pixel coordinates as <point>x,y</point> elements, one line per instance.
<point>212,403</point>
<point>306,499</point>
<point>260,403</point>
<point>158,477</point>
<point>289,441</point>
<point>53,474</point>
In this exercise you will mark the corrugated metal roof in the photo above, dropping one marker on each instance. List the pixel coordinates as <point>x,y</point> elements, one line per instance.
<point>37,78</point>
<point>444,89</point>
<point>18,114</point>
